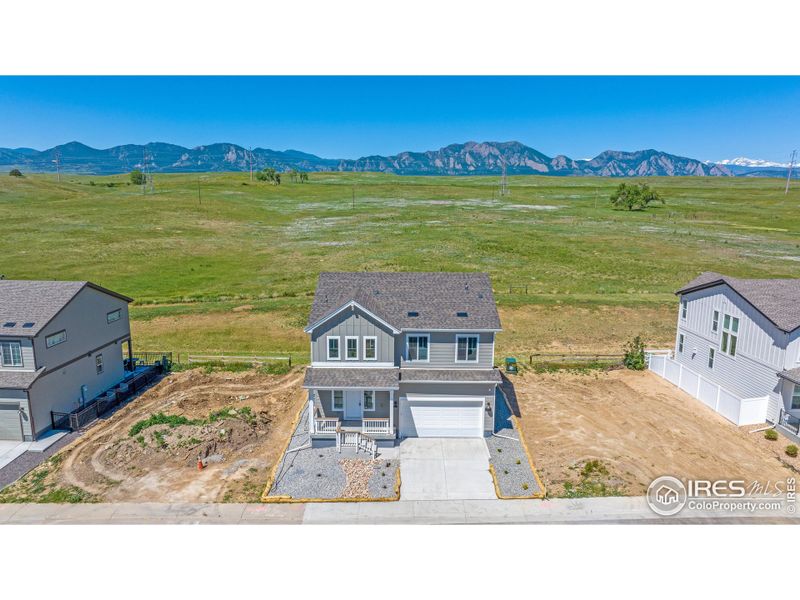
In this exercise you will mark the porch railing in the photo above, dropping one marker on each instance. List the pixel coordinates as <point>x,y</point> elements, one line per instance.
<point>789,421</point>
<point>325,425</point>
<point>375,426</point>
<point>359,441</point>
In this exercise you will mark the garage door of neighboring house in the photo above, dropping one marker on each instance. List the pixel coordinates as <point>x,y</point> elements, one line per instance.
<point>10,422</point>
<point>422,416</point>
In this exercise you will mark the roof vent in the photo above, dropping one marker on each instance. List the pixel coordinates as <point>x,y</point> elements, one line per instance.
<point>27,325</point>
<point>461,314</point>
<point>10,324</point>
<point>413,313</point>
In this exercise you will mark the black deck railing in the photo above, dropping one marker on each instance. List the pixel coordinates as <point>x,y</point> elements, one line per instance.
<point>790,422</point>
<point>150,359</point>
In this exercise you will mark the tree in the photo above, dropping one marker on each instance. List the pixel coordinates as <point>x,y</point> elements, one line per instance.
<point>634,196</point>
<point>634,355</point>
<point>293,175</point>
<point>270,175</point>
<point>15,173</point>
<point>137,177</point>
<point>303,177</point>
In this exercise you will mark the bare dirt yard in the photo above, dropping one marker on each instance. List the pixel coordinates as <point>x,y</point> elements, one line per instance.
<point>148,450</point>
<point>613,432</point>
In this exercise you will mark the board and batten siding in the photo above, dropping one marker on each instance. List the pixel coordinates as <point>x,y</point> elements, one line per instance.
<point>760,350</point>
<point>26,350</point>
<point>351,323</point>
<point>442,350</point>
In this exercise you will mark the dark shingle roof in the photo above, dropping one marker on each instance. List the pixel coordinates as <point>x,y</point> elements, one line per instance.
<point>776,299</point>
<point>445,375</point>
<point>18,380</point>
<point>437,298</point>
<point>351,377</point>
<point>792,375</point>
<point>36,302</point>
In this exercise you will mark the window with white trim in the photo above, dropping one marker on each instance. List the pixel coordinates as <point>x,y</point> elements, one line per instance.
<point>369,400</point>
<point>715,322</point>
<point>680,342</point>
<point>730,335</point>
<point>684,309</point>
<point>337,402</point>
<point>370,347</point>
<point>55,339</point>
<point>11,354</point>
<point>711,353</point>
<point>466,348</point>
<point>417,347</point>
<point>333,348</point>
<point>796,397</point>
<point>114,315</point>
<point>98,363</point>
<point>351,343</point>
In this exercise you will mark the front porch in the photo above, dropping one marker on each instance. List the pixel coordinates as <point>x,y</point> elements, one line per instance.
<point>368,412</point>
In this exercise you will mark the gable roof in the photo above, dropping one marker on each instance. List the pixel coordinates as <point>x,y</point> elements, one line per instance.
<point>35,303</point>
<point>777,299</point>
<point>410,300</point>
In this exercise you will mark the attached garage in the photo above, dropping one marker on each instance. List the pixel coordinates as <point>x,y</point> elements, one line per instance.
<point>10,422</point>
<point>441,416</point>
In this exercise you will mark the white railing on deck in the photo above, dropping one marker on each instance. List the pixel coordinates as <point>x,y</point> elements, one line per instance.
<point>326,425</point>
<point>375,426</point>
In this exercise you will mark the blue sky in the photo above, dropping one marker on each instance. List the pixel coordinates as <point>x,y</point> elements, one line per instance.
<point>346,117</point>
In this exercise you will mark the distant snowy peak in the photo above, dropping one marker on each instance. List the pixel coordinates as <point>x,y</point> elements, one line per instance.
<point>743,161</point>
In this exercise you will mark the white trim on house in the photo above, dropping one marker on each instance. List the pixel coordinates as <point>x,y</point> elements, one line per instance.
<point>333,399</point>
<point>347,339</point>
<point>375,339</point>
<point>364,401</point>
<point>351,304</point>
<point>338,346</point>
<point>427,348</point>
<point>353,365</point>
<point>477,347</point>
<point>434,330</point>
<point>345,387</point>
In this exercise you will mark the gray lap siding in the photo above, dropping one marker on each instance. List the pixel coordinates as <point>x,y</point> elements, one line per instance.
<point>323,404</point>
<point>442,350</point>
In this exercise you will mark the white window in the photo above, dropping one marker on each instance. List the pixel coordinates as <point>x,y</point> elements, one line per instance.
<point>796,397</point>
<point>417,347</point>
<point>711,353</point>
<point>715,322</point>
<point>730,335</point>
<point>11,354</point>
<point>333,348</point>
<point>338,399</point>
<point>98,363</point>
<point>370,347</point>
<point>684,309</point>
<point>352,347</point>
<point>114,315</point>
<point>680,342</point>
<point>369,400</point>
<point>466,348</point>
<point>57,338</point>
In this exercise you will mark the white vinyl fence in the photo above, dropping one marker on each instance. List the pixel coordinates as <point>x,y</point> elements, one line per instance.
<point>741,411</point>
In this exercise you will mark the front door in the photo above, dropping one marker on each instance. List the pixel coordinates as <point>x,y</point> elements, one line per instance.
<point>352,404</point>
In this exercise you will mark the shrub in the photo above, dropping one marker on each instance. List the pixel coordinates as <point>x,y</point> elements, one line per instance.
<point>791,450</point>
<point>634,355</point>
<point>771,434</point>
<point>160,419</point>
<point>15,173</point>
<point>137,177</point>
<point>634,196</point>
<point>524,486</point>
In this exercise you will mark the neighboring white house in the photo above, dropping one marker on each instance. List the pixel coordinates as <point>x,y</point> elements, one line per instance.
<point>61,345</point>
<point>737,347</point>
<point>402,355</point>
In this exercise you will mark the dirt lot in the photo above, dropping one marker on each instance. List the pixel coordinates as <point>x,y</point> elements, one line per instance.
<point>238,419</point>
<point>608,433</point>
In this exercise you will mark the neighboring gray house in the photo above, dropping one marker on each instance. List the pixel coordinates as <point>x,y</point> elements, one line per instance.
<point>402,355</point>
<point>61,344</point>
<point>737,346</point>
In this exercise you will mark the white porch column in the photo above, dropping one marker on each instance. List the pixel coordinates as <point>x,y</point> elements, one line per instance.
<point>310,411</point>
<point>391,410</point>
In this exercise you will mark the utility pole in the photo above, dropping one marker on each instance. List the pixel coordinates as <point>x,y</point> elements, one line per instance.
<point>789,174</point>
<point>250,154</point>
<point>199,200</point>
<point>354,197</point>
<point>58,165</point>
<point>504,181</point>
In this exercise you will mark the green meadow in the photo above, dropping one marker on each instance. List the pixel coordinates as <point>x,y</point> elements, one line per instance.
<point>217,263</point>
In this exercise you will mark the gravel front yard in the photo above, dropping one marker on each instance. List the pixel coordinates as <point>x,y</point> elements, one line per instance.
<point>325,473</point>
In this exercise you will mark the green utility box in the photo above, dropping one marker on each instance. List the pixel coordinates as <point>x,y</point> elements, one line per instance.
<point>511,365</point>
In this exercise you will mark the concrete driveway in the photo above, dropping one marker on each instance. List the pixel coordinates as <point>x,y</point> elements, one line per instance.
<point>445,469</point>
<point>10,450</point>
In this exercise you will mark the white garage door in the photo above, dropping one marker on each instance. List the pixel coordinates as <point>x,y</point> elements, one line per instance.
<point>10,425</point>
<point>432,417</point>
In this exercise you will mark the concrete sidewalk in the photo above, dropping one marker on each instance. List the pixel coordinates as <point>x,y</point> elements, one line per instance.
<point>590,510</point>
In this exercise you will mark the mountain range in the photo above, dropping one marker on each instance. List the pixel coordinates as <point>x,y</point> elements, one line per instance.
<point>470,158</point>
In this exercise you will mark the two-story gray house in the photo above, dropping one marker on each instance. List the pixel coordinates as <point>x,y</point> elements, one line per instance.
<point>737,346</point>
<point>61,344</point>
<point>397,355</point>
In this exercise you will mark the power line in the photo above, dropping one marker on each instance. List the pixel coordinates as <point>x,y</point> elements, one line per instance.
<point>789,174</point>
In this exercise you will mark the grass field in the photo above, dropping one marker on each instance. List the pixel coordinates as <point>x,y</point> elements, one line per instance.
<point>233,268</point>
